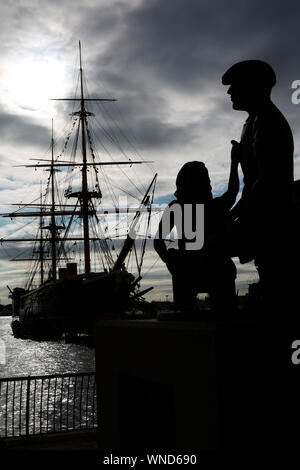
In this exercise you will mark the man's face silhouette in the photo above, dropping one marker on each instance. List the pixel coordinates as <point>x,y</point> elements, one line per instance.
<point>247,96</point>
<point>241,96</point>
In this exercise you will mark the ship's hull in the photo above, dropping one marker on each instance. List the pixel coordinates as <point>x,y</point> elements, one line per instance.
<point>69,306</point>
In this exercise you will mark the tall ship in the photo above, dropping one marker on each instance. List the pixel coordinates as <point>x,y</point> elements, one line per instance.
<point>85,241</point>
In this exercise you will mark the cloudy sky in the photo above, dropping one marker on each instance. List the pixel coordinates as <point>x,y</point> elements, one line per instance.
<point>163,61</point>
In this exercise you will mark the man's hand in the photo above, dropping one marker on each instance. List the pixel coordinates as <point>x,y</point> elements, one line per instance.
<point>236,152</point>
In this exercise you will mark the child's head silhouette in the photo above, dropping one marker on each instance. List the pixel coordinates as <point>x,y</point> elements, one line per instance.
<point>193,183</point>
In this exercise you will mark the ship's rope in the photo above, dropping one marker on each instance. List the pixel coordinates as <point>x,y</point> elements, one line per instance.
<point>143,249</point>
<point>66,141</point>
<point>138,265</point>
<point>113,138</point>
<point>103,244</point>
<point>109,186</point>
<point>90,141</point>
<point>132,182</point>
<point>129,135</point>
<point>32,273</point>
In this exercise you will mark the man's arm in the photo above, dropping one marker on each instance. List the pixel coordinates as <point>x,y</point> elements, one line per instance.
<point>229,197</point>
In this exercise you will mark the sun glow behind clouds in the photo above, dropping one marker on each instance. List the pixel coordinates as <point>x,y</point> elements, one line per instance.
<point>30,83</point>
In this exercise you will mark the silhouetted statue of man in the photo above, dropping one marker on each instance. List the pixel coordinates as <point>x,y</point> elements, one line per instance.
<point>191,273</point>
<point>262,229</point>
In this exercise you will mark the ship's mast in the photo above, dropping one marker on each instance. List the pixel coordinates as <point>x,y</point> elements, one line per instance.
<point>41,247</point>
<point>53,227</point>
<point>85,194</point>
<point>40,251</point>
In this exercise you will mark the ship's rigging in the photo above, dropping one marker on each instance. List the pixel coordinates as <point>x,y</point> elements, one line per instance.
<point>88,231</point>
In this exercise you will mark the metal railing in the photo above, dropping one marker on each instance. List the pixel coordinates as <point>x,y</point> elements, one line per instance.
<point>47,403</point>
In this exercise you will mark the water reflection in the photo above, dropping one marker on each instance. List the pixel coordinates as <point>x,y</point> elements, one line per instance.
<point>27,357</point>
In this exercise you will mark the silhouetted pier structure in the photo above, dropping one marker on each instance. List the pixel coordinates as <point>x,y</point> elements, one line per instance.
<point>198,385</point>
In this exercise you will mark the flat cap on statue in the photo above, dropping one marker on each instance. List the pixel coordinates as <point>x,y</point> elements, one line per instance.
<point>250,71</point>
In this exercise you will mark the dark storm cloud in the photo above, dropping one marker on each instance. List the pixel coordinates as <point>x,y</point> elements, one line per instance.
<point>149,127</point>
<point>186,46</point>
<point>187,43</point>
<point>18,130</point>
<point>153,134</point>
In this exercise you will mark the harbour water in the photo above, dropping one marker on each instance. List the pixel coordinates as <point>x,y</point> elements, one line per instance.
<point>19,357</point>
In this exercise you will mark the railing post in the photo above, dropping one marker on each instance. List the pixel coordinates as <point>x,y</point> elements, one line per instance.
<point>27,406</point>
